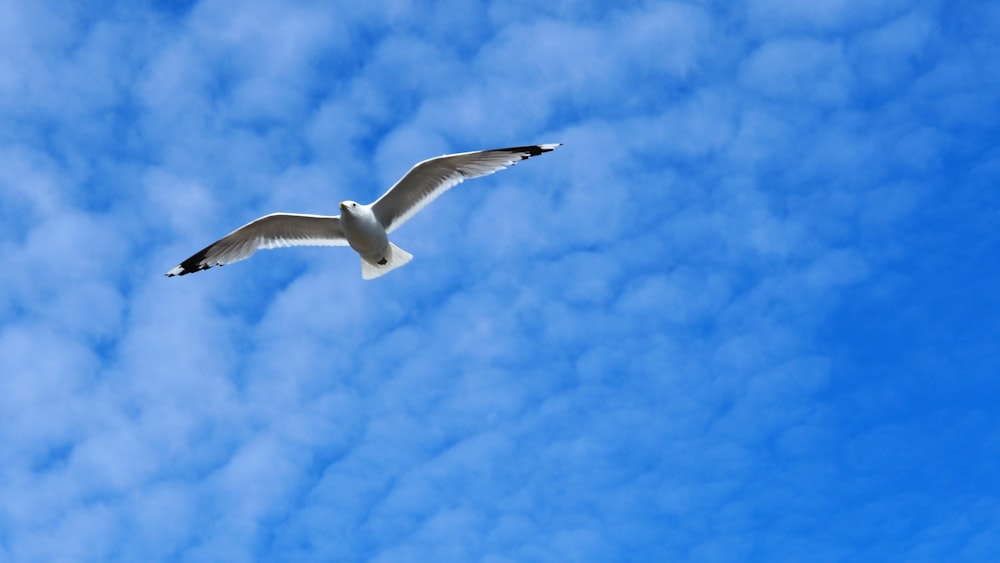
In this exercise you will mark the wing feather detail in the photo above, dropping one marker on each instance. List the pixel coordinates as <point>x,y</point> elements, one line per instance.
<point>277,230</point>
<point>432,177</point>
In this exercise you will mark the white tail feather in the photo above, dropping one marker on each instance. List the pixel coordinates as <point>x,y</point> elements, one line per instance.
<point>397,257</point>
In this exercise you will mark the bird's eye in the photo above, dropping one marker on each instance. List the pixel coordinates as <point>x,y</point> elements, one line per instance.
<point>354,205</point>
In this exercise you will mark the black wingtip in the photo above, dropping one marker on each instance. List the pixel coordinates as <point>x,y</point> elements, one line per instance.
<point>546,148</point>
<point>193,264</point>
<point>529,151</point>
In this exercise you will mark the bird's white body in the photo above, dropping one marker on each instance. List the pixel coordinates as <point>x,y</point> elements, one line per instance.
<point>363,231</point>
<point>365,228</point>
<point>366,235</point>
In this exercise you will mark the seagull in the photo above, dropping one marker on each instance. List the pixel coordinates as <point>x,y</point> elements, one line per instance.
<point>364,228</point>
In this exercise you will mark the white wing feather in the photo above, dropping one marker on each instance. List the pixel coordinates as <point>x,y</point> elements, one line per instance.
<point>276,230</point>
<point>431,178</point>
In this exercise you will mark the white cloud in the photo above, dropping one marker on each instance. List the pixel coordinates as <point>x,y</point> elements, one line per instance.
<point>822,15</point>
<point>799,71</point>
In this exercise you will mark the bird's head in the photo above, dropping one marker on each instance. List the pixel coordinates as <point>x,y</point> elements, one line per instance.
<point>349,206</point>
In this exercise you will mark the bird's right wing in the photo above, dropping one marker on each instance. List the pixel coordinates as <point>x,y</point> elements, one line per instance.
<point>431,178</point>
<point>271,231</point>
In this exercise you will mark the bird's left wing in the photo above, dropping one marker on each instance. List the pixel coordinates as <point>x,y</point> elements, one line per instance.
<point>431,178</point>
<point>271,231</point>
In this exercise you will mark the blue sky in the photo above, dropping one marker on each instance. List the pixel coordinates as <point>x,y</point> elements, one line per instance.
<point>749,311</point>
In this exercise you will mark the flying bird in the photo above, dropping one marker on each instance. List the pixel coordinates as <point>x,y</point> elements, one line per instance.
<point>364,228</point>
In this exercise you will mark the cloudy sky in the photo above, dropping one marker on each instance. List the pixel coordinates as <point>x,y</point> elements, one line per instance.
<point>749,310</point>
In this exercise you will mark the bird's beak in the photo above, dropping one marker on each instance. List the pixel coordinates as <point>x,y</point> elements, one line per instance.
<point>343,206</point>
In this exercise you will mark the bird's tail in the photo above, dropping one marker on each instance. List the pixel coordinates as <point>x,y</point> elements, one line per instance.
<point>397,257</point>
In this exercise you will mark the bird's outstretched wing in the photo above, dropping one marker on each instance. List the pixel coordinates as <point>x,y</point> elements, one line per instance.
<point>271,231</point>
<point>431,178</point>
